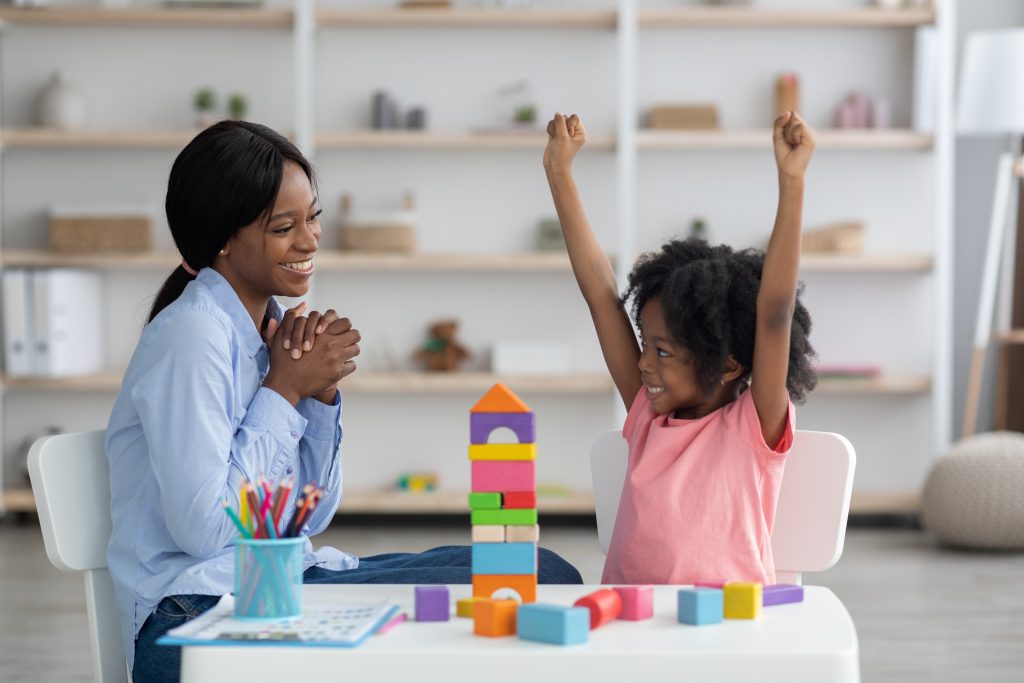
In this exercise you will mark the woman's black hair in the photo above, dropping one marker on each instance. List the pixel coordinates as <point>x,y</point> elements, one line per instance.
<point>709,300</point>
<point>226,178</point>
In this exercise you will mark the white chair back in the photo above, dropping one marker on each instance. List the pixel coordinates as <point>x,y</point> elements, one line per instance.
<point>814,503</point>
<point>71,485</point>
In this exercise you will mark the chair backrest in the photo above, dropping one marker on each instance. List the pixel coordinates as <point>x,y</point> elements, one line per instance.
<point>810,520</point>
<point>71,485</point>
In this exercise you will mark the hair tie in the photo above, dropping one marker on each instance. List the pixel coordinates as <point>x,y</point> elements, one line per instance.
<point>188,269</point>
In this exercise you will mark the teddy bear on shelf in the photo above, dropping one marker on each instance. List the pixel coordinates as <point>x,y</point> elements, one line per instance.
<point>441,352</point>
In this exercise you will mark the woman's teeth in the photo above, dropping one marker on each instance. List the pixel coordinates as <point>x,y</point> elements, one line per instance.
<point>300,266</point>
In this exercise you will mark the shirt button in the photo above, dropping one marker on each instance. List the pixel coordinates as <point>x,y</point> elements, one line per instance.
<point>289,470</point>
<point>295,435</point>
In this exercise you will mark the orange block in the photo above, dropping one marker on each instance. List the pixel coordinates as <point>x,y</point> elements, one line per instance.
<point>484,585</point>
<point>495,618</point>
<point>500,399</point>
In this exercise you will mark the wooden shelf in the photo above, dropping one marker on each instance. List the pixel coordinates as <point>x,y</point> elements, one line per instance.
<point>152,17</point>
<point>737,17</point>
<point>866,263</point>
<point>19,500</point>
<point>885,503</point>
<point>886,384</point>
<point>484,140</point>
<point>326,260</point>
<point>466,18</point>
<point>738,139</point>
<point>93,139</point>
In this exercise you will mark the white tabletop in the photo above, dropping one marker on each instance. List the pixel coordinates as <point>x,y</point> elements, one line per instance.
<point>812,641</point>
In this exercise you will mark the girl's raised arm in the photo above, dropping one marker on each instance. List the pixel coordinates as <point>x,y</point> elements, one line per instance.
<point>590,265</point>
<point>776,298</point>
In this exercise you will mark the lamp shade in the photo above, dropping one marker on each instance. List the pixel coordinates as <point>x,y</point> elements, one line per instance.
<point>992,83</point>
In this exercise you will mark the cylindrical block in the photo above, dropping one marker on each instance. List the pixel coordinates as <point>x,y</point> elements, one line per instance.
<point>605,605</point>
<point>268,578</point>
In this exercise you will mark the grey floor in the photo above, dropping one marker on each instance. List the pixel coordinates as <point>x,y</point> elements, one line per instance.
<point>922,613</point>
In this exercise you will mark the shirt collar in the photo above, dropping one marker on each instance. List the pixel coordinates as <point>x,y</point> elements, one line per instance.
<point>227,299</point>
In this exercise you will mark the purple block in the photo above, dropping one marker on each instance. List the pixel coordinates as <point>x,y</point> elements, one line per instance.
<point>432,603</point>
<point>482,424</point>
<point>782,593</point>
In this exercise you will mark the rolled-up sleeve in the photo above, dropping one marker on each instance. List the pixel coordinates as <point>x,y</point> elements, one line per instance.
<point>320,457</point>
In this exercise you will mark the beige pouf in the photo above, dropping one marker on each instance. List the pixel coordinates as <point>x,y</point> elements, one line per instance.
<point>974,496</point>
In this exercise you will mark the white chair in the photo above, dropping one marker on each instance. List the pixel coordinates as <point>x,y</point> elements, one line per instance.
<point>71,485</point>
<point>810,521</point>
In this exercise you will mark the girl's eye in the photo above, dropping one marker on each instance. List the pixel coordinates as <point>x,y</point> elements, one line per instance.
<point>662,353</point>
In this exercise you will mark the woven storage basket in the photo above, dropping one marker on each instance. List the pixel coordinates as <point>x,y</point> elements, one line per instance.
<point>974,495</point>
<point>97,233</point>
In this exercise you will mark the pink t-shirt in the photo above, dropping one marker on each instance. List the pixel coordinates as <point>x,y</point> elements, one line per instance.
<point>699,499</point>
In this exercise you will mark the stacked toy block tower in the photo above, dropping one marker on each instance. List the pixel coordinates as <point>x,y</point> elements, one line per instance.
<point>503,501</point>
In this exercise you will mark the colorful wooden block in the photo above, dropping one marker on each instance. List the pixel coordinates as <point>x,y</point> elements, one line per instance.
<point>605,605</point>
<point>700,606</point>
<point>485,585</point>
<point>781,594</point>
<point>432,603</point>
<point>489,533</point>
<point>485,501</point>
<point>553,624</point>
<point>507,517</point>
<point>503,451</point>
<point>523,534</point>
<point>504,558</point>
<point>464,607</point>
<point>495,618</point>
<point>500,399</point>
<point>503,475</point>
<point>637,602</point>
<point>742,600</point>
<point>524,425</point>
<point>519,500</point>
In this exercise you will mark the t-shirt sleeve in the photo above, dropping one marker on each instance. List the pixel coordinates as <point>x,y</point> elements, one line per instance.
<point>748,426</point>
<point>640,415</point>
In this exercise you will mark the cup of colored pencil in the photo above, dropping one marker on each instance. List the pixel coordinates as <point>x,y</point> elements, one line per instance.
<point>268,553</point>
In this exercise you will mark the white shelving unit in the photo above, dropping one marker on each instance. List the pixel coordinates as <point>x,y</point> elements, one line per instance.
<point>615,169</point>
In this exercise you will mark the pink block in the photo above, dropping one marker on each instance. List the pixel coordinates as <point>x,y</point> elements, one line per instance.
<point>637,602</point>
<point>504,475</point>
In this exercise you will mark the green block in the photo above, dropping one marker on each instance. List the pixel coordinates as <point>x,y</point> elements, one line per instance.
<point>512,516</point>
<point>485,501</point>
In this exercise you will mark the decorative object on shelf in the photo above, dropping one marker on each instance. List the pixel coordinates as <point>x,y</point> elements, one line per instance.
<point>787,93</point>
<point>442,352</point>
<point>854,111</point>
<point>881,113</point>
<point>382,233</point>
<point>205,104</point>
<point>517,107</point>
<point>531,358</point>
<point>683,117</point>
<point>848,371</point>
<point>238,106</point>
<point>425,4</point>
<point>383,111</point>
<point>844,237</point>
<point>972,495</point>
<point>416,119</point>
<point>891,4</point>
<point>699,228</point>
<point>992,104</point>
<point>417,482</point>
<point>549,235</point>
<point>61,105</point>
<point>100,230</point>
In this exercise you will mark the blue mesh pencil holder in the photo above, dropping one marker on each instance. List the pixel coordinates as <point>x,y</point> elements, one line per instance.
<point>268,578</point>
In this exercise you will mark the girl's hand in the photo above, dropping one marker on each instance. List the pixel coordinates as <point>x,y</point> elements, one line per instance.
<point>794,143</point>
<point>565,138</point>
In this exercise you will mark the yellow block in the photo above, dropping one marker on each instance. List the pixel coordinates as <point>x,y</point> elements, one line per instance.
<point>503,451</point>
<point>464,607</point>
<point>742,600</point>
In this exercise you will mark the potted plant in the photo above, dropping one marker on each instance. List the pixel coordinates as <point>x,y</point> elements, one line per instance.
<point>205,102</point>
<point>238,106</point>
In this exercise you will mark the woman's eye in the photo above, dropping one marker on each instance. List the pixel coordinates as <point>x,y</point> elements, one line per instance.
<point>315,216</point>
<point>281,230</point>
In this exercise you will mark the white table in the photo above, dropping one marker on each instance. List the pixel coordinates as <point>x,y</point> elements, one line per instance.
<point>813,641</point>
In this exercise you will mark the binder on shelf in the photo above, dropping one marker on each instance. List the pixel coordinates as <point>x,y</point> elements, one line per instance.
<point>19,344</point>
<point>68,322</point>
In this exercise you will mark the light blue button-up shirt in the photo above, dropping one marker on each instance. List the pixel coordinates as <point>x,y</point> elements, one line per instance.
<point>191,422</point>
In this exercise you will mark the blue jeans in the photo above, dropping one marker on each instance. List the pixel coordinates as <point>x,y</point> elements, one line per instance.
<point>448,564</point>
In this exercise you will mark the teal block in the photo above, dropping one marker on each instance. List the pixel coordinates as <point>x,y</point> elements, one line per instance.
<point>700,606</point>
<point>553,624</point>
<point>504,558</point>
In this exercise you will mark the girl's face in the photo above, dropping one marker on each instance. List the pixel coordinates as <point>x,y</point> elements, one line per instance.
<point>668,373</point>
<point>275,257</point>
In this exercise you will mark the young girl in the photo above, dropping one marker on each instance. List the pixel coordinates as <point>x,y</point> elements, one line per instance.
<point>224,386</point>
<point>723,348</point>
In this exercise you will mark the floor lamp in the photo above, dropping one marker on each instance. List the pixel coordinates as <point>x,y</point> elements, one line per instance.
<point>991,103</point>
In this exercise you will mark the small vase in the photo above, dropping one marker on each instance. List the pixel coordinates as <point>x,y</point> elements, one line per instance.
<point>61,105</point>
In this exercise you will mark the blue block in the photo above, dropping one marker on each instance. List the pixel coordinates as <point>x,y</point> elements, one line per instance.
<point>504,558</point>
<point>553,624</point>
<point>699,606</point>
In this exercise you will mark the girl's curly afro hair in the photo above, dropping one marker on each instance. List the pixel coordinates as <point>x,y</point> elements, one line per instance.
<point>709,300</point>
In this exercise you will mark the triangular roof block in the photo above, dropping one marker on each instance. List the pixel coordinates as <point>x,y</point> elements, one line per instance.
<point>500,399</point>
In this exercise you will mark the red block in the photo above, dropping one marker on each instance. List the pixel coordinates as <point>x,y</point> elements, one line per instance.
<point>526,500</point>
<point>605,605</point>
